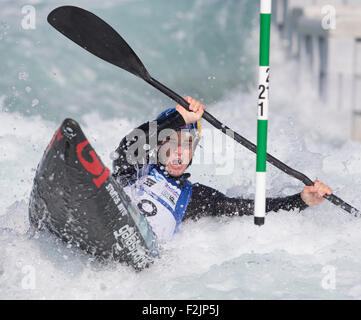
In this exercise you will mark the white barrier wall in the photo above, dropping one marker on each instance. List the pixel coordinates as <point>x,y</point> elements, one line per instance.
<point>328,51</point>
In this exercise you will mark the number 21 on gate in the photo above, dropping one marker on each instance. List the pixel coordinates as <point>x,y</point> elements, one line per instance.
<point>263,93</point>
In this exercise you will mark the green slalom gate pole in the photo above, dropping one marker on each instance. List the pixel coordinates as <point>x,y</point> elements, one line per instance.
<point>262,118</point>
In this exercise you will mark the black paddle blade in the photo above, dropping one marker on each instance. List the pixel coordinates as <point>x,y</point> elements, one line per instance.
<point>96,36</point>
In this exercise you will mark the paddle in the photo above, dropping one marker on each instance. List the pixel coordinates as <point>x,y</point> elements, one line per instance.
<point>99,38</point>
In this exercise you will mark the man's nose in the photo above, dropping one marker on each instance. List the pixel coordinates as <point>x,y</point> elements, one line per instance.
<point>179,149</point>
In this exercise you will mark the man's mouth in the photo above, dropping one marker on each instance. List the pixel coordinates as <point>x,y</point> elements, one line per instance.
<point>176,164</point>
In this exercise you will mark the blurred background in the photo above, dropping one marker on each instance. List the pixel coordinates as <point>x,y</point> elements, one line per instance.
<point>206,49</point>
<point>198,48</point>
<point>325,38</point>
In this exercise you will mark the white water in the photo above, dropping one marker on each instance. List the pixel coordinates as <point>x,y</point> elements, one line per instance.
<point>213,258</point>
<point>225,258</point>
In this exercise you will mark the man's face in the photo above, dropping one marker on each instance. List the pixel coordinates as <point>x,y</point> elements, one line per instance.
<point>175,153</point>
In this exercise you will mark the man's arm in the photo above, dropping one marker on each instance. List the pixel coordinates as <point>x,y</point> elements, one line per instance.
<point>207,201</point>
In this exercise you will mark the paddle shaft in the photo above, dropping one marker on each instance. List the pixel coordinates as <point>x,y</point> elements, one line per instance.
<point>249,145</point>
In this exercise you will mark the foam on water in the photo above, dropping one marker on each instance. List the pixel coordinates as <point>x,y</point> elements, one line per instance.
<point>294,255</point>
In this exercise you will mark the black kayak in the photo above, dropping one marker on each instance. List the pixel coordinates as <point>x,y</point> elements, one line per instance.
<point>75,197</point>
